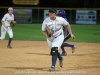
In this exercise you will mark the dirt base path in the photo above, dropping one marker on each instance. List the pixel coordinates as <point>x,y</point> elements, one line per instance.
<point>32,58</point>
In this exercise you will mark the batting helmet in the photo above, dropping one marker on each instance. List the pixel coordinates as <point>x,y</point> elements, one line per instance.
<point>62,13</point>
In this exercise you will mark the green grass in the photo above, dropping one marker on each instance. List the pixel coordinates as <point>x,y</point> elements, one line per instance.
<point>83,33</point>
<point>87,33</point>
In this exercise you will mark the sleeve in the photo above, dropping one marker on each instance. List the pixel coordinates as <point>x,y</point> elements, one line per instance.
<point>65,23</point>
<point>4,18</point>
<point>13,18</point>
<point>44,25</point>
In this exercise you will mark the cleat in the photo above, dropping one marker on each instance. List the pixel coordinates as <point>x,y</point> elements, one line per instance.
<point>73,49</point>
<point>9,47</point>
<point>52,69</point>
<point>61,62</point>
<point>64,54</point>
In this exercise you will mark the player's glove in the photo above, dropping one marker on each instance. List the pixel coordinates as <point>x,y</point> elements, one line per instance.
<point>48,31</point>
<point>14,23</point>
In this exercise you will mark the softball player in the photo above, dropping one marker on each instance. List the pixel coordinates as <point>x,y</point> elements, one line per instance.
<point>62,13</point>
<point>6,20</point>
<point>55,24</point>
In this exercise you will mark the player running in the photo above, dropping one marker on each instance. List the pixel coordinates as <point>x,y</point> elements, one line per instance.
<point>67,35</point>
<point>55,41</point>
<point>6,20</point>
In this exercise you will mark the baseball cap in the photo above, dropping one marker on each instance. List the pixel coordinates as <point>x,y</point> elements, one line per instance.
<point>10,8</point>
<point>52,10</point>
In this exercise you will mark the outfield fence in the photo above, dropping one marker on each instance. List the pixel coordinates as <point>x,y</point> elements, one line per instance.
<point>38,13</point>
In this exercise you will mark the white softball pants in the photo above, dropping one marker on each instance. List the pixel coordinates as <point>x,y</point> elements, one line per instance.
<point>4,30</point>
<point>56,42</point>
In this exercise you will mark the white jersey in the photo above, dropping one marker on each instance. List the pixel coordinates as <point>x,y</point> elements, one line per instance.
<point>55,25</point>
<point>7,19</point>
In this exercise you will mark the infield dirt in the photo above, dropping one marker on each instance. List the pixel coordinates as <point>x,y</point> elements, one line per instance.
<point>32,58</point>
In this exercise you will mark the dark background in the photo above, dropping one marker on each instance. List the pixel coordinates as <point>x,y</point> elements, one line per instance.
<point>58,3</point>
<point>38,14</point>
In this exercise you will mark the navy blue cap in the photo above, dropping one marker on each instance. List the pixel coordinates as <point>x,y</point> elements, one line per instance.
<point>62,13</point>
<point>52,10</point>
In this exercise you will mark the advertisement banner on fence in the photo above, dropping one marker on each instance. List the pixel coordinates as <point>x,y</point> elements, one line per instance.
<point>86,16</point>
<point>23,15</point>
<point>46,13</point>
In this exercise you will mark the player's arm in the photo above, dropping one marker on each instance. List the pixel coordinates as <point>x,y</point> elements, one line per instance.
<point>4,24</point>
<point>13,21</point>
<point>45,34</point>
<point>68,27</point>
<point>44,29</point>
<point>65,32</point>
<point>2,21</point>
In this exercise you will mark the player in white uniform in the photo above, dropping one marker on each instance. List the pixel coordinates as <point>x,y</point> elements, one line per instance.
<point>55,41</point>
<point>6,20</point>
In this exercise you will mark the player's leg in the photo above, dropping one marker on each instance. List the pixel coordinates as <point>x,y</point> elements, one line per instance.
<point>69,45</point>
<point>3,33</point>
<point>67,37</point>
<point>58,42</point>
<point>55,53</point>
<point>49,43</point>
<point>10,32</point>
<point>66,44</point>
<point>64,53</point>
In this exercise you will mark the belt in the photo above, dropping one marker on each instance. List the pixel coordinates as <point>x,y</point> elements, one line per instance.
<point>58,35</point>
